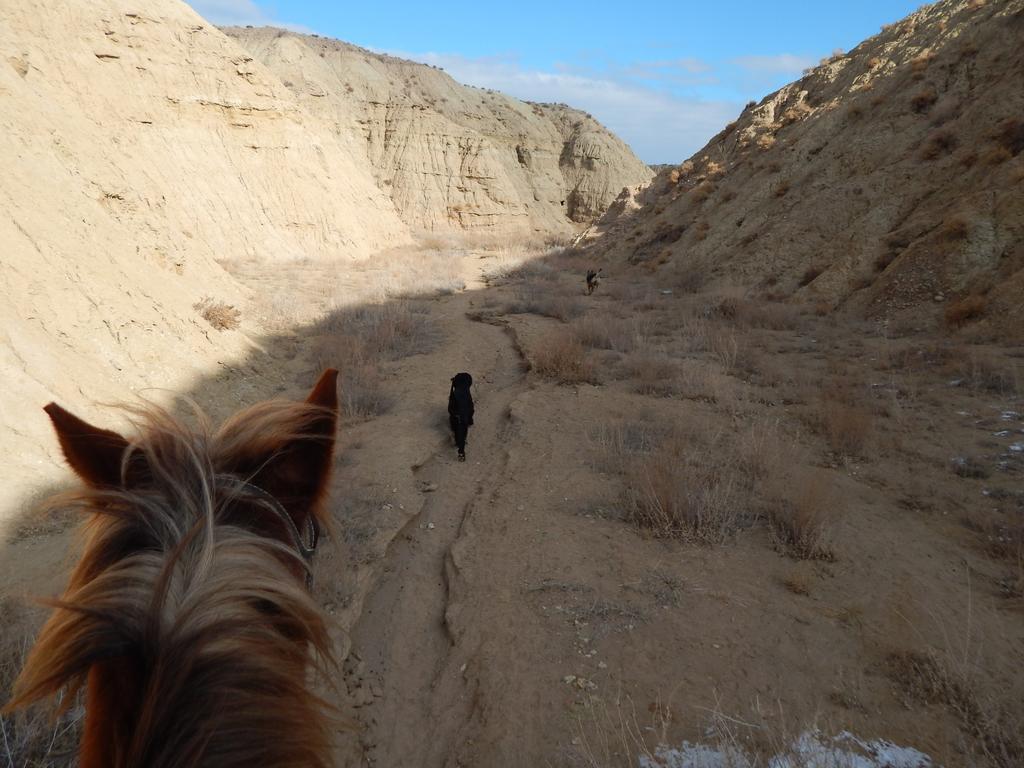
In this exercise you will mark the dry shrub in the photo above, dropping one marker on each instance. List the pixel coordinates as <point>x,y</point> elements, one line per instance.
<point>700,487</point>
<point>795,113</point>
<point>862,280</point>
<point>747,312</point>
<point>622,441</point>
<point>534,299</point>
<point>955,228</point>
<point>996,156</point>
<point>797,584</point>
<point>800,520</point>
<point>983,370</point>
<point>1010,135</point>
<point>703,191</point>
<point>561,356</point>
<point>847,428</point>
<point>873,62</point>
<point>695,334</point>
<point>782,188</point>
<point>31,738</point>
<point>995,731</point>
<point>222,316</point>
<point>765,141</point>
<point>923,99</point>
<point>689,277</point>
<point>357,343</point>
<point>919,64</point>
<point>616,334</point>
<point>941,142</point>
<point>771,315</point>
<point>436,267</point>
<point>653,374</point>
<point>883,260</point>
<point>682,490</point>
<point>725,348</point>
<point>958,313</point>
<point>810,275</point>
<point>1002,533</point>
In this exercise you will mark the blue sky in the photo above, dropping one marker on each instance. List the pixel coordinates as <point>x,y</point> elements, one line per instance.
<point>665,76</point>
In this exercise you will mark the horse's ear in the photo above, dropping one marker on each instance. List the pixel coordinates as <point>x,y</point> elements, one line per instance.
<point>325,392</point>
<point>298,474</point>
<point>96,455</point>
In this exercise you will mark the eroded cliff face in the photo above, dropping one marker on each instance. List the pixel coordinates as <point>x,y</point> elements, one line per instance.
<point>889,180</point>
<point>453,157</point>
<point>138,145</point>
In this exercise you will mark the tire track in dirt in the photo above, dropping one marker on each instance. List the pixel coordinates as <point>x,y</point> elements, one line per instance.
<point>399,668</point>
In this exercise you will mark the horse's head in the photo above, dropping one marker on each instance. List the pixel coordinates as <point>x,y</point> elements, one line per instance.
<point>187,615</point>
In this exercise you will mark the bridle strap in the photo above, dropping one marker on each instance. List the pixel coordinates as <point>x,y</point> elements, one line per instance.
<point>304,541</point>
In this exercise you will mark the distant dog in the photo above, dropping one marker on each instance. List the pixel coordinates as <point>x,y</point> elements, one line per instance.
<point>460,410</point>
<point>593,280</point>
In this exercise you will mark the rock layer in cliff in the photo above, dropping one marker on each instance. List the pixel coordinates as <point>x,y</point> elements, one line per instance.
<point>453,157</point>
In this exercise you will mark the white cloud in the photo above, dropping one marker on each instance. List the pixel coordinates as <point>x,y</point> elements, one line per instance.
<point>781,64</point>
<point>238,13</point>
<point>659,126</point>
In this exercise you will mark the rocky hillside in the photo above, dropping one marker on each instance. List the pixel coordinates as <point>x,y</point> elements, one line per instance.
<point>138,145</point>
<point>888,181</point>
<point>453,157</point>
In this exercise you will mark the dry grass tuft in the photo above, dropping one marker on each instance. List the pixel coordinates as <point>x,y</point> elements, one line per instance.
<point>982,370</point>
<point>653,374</point>
<point>681,492</point>
<point>30,738</point>
<point>535,299</point>
<point>996,155</point>
<point>1010,135</point>
<point>848,427</point>
<point>702,191</point>
<point>222,316</point>
<point>923,99</point>
<point>615,334</point>
<point>358,342</point>
<point>699,487</point>
<point>919,64</point>
<point>960,312</point>
<point>797,584</point>
<point>941,142</point>
<point>930,679</point>
<point>801,521</point>
<point>955,228</point>
<point>562,357</point>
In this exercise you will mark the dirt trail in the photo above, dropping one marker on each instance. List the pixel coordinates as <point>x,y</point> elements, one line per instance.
<point>400,645</point>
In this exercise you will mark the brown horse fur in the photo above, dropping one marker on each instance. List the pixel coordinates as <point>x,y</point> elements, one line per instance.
<point>187,618</point>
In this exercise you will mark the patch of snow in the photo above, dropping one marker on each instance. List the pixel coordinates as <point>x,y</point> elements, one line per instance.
<point>1009,415</point>
<point>1017,447</point>
<point>810,750</point>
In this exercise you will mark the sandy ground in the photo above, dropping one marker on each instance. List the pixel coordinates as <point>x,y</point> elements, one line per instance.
<point>501,612</point>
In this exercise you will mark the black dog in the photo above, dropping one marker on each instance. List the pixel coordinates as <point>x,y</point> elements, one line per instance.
<point>460,410</point>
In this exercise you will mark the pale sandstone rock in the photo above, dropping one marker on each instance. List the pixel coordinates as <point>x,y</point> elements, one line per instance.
<point>451,156</point>
<point>137,145</point>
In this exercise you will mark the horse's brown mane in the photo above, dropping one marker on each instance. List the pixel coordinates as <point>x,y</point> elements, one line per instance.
<point>200,621</point>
